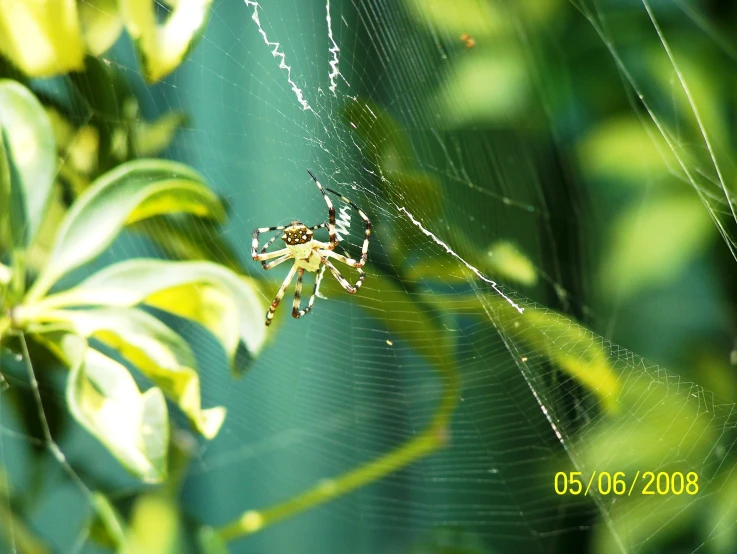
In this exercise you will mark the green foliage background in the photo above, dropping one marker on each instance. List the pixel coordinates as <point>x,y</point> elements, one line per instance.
<point>599,137</point>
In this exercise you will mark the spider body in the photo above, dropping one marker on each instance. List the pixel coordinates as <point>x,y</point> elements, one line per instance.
<point>297,234</point>
<point>298,238</point>
<point>310,255</point>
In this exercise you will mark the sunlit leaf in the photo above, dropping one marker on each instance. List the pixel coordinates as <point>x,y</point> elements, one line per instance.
<point>154,527</point>
<point>157,351</point>
<point>492,88</point>
<point>719,524</point>
<point>633,522</point>
<point>692,90</point>
<point>132,192</point>
<point>104,398</point>
<point>507,261</point>
<point>101,24</point>
<point>626,150</point>
<point>30,149</point>
<point>650,247</point>
<point>571,347</point>
<point>661,427</point>
<point>5,193</point>
<point>503,259</point>
<point>5,274</point>
<point>481,19</point>
<point>163,47</point>
<point>541,332</point>
<point>150,139</point>
<point>38,253</point>
<point>41,38</point>
<point>226,304</point>
<point>77,146</point>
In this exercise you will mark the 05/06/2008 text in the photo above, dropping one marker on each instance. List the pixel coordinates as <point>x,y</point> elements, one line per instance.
<point>605,483</point>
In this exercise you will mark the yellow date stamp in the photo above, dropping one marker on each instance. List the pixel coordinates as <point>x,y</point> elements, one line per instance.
<point>644,483</point>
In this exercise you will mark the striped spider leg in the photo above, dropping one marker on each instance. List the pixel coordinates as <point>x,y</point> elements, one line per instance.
<point>331,212</point>
<point>367,235</point>
<point>350,289</point>
<point>309,255</point>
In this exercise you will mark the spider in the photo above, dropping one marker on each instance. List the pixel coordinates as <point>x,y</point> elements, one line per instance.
<point>309,254</point>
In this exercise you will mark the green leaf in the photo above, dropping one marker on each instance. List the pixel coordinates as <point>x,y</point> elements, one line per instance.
<point>184,237</point>
<point>5,275</point>
<point>661,427</point>
<point>625,149</point>
<point>494,87</point>
<point>107,527</point>
<point>103,397</point>
<point>541,332</point>
<point>101,24</point>
<point>391,150</point>
<point>150,139</point>
<point>503,259</point>
<point>650,247</point>
<point>480,19</point>
<point>507,261</point>
<point>5,194</point>
<point>226,304</point>
<point>157,351</point>
<point>31,152</point>
<point>162,48</point>
<point>77,145</point>
<point>154,527</point>
<point>132,192</point>
<point>99,89</point>
<point>41,38</point>
<point>573,348</point>
<point>719,524</point>
<point>18,533</point>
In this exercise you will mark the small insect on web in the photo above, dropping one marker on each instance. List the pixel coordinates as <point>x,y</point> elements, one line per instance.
<point>310,254</point>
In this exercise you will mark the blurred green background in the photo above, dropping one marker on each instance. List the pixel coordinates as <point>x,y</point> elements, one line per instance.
<point>580,154</point>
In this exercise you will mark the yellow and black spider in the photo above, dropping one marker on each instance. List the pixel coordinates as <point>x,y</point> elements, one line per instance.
<point>309,254</point>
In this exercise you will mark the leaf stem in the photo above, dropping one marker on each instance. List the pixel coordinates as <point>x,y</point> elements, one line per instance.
<point>432,438</point>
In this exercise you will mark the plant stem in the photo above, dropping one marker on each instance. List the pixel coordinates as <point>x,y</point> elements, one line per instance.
<point>18,278</point>
<point>432,438</point>
<point>4,325</point>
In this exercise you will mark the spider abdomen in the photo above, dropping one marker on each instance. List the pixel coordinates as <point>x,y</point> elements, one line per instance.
<point>297,234</point>
<point>305,256</point>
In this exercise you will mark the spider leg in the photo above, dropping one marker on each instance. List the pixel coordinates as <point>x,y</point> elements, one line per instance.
<point>367,234</point>
<point>280,295</point>
<point>276,262</point>
<point>345,259</point>
<point>331,212</point>
<point>263,256</point>
<point>254,244</point>
<point>350,289</point>
<point>296,311</point>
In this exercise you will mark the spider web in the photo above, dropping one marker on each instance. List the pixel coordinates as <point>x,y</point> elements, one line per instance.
<point>382,101</point>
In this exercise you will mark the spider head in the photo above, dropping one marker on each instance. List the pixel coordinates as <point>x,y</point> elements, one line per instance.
<point>296,233</point>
